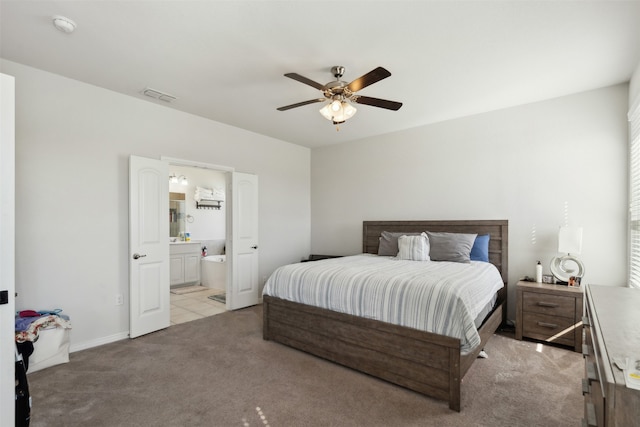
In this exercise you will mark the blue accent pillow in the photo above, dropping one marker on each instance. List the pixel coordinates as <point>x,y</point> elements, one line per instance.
<point>480,249</point>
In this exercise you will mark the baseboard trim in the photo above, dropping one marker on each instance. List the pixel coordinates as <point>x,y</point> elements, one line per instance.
<point>107,340</point>
<point>98,342</point>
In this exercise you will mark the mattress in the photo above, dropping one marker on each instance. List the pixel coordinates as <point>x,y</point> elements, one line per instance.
<point>440,297</point>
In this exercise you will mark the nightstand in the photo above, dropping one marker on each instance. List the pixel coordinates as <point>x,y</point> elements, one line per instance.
<point>550,313</point>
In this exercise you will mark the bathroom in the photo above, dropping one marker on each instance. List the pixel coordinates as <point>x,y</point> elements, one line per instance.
<point>197,230</point>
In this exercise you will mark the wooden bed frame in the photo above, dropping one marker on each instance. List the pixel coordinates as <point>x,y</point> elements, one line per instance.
<point>425,362</point>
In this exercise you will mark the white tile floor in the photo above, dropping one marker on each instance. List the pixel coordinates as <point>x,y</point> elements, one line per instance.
<point>195,305</point>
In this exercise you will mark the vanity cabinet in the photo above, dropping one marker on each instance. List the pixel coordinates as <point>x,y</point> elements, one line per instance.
<point>184,263</point>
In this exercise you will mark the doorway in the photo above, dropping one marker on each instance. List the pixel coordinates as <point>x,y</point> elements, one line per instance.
<point>149,272</point>
<point>197,223</point>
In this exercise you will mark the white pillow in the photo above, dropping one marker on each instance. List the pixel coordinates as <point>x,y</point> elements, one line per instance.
<point>414,248</point>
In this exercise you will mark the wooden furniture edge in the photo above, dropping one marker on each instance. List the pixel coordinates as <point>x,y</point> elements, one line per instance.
<point>455,367</point>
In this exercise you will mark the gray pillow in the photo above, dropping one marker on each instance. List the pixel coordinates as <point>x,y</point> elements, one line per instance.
<point>454,247</point>
<point>389,242</point>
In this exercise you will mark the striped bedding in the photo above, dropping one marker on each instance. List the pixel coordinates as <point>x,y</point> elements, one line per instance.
<point>439,297</point>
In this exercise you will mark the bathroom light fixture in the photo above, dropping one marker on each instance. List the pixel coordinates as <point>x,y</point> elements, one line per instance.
<point>175,179</point>
<point>64,24</point>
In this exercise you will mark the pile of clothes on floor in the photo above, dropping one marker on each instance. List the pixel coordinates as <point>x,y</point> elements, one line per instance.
<point>29,325</point>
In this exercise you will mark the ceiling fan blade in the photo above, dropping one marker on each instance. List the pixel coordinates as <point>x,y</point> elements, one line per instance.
<point>377,102</point>
<point>368,79</point>
<point>300,104</point>
<point>303,79</point>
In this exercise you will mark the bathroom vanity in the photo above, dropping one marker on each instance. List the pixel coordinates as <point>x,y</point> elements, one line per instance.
<point>184,263</point>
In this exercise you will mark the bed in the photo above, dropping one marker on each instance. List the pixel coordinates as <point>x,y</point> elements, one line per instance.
<point>425,362</point>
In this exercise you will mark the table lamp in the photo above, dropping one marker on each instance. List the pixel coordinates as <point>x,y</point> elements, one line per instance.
<point>565,266</point>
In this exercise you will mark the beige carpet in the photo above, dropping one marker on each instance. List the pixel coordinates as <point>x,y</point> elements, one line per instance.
<point>219,371</point>
<point>188,289</point>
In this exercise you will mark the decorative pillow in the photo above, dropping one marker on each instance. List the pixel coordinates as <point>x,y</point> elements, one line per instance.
<point>414,248</point>
<point>454,247</point>
<point>480,249</point>
<point>389,242</point>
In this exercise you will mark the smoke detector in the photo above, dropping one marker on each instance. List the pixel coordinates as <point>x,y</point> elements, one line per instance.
<point>63,24</point>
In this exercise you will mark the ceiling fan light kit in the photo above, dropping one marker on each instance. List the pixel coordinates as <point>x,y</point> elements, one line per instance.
<point>340,95</point>
<point>338,111</point>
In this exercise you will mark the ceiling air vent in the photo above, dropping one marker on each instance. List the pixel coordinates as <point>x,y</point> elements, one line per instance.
<point>156,94</point>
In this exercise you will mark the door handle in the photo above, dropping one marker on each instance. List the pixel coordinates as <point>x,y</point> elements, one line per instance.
<point>254,247</point>
<point>136,256</point>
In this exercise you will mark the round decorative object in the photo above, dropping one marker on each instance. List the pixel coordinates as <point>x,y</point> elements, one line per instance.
<point>566,266</point>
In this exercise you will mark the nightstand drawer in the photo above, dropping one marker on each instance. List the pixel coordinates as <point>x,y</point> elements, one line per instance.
<point>542,327</point>
<point>555,305</point>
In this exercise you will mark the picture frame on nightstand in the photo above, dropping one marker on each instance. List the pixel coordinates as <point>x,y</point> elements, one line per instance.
<point>547,278</point>
<point>575,280</point>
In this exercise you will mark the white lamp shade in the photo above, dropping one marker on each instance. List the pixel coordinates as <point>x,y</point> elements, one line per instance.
<point>349,110</point>
<point>326,112</point>
<point>338,112</point>
<point>570,240</point>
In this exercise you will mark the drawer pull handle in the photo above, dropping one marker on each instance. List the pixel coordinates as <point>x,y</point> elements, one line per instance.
<point>585,386</point>
<point>591,415</point>
<point>585,350</point>
<point>548,304</point>
<point>591,372</point>
<point>585,321</point>
<point>548,325</point>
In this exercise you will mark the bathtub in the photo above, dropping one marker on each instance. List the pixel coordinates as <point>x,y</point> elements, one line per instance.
<point>214,271</point>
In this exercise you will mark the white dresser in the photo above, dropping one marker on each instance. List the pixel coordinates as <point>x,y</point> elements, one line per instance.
<point>184,263</point>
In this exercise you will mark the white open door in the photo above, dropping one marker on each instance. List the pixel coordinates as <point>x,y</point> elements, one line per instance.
<point>149,303</point>
<point>243,227</point>
<point>7,250</point>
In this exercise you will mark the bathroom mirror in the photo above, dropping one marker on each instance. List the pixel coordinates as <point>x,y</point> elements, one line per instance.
<point>176,214</point>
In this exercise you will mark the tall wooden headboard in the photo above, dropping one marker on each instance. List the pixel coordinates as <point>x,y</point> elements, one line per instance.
<point>497,229</point>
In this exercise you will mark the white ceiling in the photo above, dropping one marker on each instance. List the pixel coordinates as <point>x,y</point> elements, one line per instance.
<point>225,60</point>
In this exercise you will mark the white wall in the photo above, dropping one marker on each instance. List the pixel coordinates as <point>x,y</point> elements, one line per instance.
<point>634,86</point>
<point>522,164</point>
<point>73,142</point>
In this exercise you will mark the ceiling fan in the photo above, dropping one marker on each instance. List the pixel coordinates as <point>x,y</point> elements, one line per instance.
<point>340,94</point>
